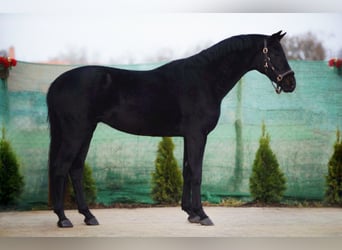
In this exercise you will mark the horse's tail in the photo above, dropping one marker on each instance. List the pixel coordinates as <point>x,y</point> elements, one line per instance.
<point>55,138</point>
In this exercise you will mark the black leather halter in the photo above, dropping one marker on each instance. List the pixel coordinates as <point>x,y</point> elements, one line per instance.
<point>269,65</point>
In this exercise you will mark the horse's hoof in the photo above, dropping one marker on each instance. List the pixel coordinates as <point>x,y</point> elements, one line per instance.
<point>91,222</point>
<point>65,223</point>
<point>194,219</point>
<point>206,222</point>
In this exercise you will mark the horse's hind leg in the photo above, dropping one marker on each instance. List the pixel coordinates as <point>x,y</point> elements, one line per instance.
<point>67,153</point>
<point>70,147</point>
<point>76,174</point>
<point>58,184</point>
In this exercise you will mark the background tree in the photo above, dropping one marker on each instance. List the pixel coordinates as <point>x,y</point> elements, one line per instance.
<point>167,178</point>
<point>71,55</point>
<point>333,193</point>
<point>11,181</point>
<point>267,183</point>
<point>303,47</point>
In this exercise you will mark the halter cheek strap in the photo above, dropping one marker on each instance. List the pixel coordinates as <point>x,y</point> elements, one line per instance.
<point>268,64</point>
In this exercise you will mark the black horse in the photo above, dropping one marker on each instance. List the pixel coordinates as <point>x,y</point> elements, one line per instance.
<point>181,98</point>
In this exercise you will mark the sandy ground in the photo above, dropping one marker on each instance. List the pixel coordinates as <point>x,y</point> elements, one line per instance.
<point>171,222</point>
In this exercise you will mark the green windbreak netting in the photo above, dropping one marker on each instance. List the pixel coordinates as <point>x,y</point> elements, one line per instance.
<point>302,127</point>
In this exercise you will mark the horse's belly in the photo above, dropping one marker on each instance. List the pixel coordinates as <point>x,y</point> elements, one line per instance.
<point>144,123</point>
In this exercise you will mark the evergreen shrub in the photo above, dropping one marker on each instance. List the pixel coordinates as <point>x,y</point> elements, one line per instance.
<point>167,178</point>
<point>11,181</point>
<point>333,193</point>
<point>267,182</point>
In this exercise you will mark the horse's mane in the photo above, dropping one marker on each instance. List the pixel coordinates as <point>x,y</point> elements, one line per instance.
<point>227,46</point>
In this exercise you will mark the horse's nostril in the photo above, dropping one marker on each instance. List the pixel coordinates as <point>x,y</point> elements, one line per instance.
<point>289,83</point>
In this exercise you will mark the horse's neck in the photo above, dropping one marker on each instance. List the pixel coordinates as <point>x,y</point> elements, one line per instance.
<point>229,70</point>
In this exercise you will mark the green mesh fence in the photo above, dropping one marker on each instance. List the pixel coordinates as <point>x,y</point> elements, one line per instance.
<point>302,126</point>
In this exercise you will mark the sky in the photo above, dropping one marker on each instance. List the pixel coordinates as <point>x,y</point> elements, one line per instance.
<point>119,33</point>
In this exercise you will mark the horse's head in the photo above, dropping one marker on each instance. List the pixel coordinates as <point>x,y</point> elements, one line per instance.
<point>274,64</point>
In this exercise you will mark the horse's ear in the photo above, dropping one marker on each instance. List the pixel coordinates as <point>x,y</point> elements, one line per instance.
<point>278,35</point>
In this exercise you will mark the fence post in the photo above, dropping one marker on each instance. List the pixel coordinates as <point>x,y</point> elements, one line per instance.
<point>238,170</point>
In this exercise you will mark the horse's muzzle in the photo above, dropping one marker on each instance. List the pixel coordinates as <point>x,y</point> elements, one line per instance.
<point>288,83</point>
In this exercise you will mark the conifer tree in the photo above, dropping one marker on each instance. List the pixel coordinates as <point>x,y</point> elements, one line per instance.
<point>267,182</point>
<point>11,181</point>
<point>167,177</point>
<point>333,193</point>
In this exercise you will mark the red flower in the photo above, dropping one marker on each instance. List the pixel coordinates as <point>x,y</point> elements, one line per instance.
<point>8,62</point>
<point>338,63</point>
<point>12,61</point>
<point>332,62</point>
<point>335,62</point>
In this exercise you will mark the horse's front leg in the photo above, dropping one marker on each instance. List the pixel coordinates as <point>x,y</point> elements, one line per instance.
<point>195,146</point>
<point>186,196</point>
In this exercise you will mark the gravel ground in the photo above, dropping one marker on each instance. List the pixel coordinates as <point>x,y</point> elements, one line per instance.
<point>172,222</point>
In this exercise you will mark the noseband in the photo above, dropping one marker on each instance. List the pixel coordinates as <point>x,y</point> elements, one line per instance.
<point>268,64</point>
